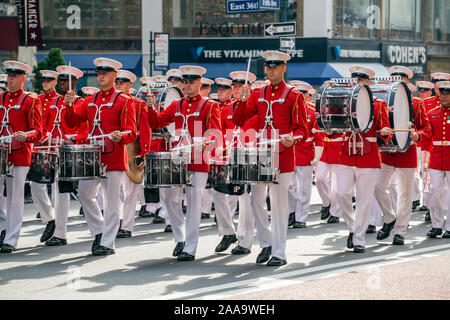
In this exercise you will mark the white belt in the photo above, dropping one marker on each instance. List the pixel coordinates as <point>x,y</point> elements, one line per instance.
<point>310,139</point>
<point>370,139</point>
<point>441,143</point>
<point>334,140</point>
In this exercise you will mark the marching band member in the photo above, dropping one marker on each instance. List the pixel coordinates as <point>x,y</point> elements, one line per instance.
<point>359,169</point>
<point>175,77</point>
<point>201,115</point>
<point>123,83</point>
<point>289,117</point>
<point>118,116</point>
<point>39,192</point>
<point>206,87</point>
<point>404,165</point>
<point>69,136</point>
<point>23,112</point>
<point>425,89</point>
<point>307,157</point>
<point>439,166</point>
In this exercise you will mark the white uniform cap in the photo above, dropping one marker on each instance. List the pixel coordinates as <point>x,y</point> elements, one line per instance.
<point>411,87</point>
<point>3,78</point>
<point>259,84</point>
<point>424,85</point>
<point>239,77</point>
<point>174,73</point>
<point>274,58</point>
<point>443,86</point>
<point>401,71</point>
<point>301,85</point>
<point>361,72</point>
<point>146,80</point>
<point>192,72</point>
<point>89,90</point>
<point>16,67</point>
<point>207,82</point>
<point>160,78</point>
<point>126,75</point>
<point>223,82</point>
<point>49,74</point>
<point>66,71</point>
<point>312,91</point>
<point>107,64</point>
<point>439,76</point>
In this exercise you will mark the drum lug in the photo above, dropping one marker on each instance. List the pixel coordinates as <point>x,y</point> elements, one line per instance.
<point>103,170</point>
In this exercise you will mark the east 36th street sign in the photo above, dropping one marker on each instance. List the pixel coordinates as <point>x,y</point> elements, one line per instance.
<point>280,29</point>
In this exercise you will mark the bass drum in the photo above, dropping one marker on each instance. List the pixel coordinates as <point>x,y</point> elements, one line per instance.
<point>401,115</point>
<point>344,107</point>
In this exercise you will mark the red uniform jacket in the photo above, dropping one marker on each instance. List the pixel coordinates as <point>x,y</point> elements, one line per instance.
<point>288,118</point>
<point>440,125</point>
<point>47,100</point>
<point>408,159</point>
<point>27,118</point>
<point>429,103</point>
<point>144,132</point>
<point>371,157</point>
<point>120,116</point>
<point>209,118</point>
<point>305,152</point>
<point>332,148</point>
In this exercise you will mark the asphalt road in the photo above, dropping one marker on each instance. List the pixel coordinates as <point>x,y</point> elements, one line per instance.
<point>319,265</point>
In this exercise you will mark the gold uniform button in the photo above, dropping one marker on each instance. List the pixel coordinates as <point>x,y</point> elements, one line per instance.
<point>188,110</point>
<point>273,94</point>
<point>190,105</point>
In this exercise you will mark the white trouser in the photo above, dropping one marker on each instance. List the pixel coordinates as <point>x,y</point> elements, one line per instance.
<point>207,201</point>
<point>62,206</point>
<point>2,205</point>
<point>42,200</point>
<point>326,183</point>
<point>194,196</point>
<point>232,203</point>
<point>172,202</point>
<point>440,183</point>
<point>245,230</point>
<point>349,178</point>
<point>222,212</point>
<point>141,197</point>
<point>376,214</point>
<point>109,225</point>
<point>304,176</point>
<point>405,190</point>
<point>99,198</point>
<point>292,195</point>
<point>131,191</point>
<point>15,187</point>
<point>260,215</point>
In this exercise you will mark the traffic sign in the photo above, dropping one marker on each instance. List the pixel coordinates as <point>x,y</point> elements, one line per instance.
<point>287,43</point>
<point>280,29</point>
<point>269,4</point>
<point>234,6</point>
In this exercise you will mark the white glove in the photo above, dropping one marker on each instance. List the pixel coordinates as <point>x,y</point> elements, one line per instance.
<point>318,154</point>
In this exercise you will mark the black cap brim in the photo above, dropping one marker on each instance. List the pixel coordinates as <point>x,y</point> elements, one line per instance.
<point>444,89</point>
<point>191,77</point>
<point>274,63</point>
<point>105,69</point>
<point>174,78</point>
<point>437,80</point>
<point>223,86</point>
<point>123,79</point>
<point>15,71</point>
<point>401,74</point>
<point>66,77</point>
<point>360,75</point>
<point>48,79</point>
<point>424,89</point>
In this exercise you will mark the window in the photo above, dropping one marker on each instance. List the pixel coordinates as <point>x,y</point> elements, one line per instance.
<point>441,21</point>
<point>405,21</point>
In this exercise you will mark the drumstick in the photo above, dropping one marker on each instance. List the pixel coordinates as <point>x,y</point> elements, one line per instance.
<point>108,135</point>
<point>248,69</point>
<point>47,147</point>
<point>277,140</point>
<point>189,145</point>
<point>11,136</point>
<point>314,130</point>
<point>70,80</point>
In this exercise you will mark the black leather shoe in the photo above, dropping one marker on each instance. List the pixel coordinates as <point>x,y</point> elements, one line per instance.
<point>350,241</point>
<point>276,262</point>
<point>168,228</point>
<point>206,215</point>
<point>434,232</point>
<point>49,230</point>
<point>325,212</point>
<point>359,249</point>
<point>291,219</point>
<point>385,231</point>
<point>398,240</point>
<point>142,210</point>
<point>7,248</point>
<point>2,237</point>
<point>38,216</point>
<point>96,242</point>
<point>240,250</point>
<point>158,220</point>
<point>226,242</point>
<point>147,214</point>
<point>103,251</point>
<point>55,242</point>
<point>183,208</point>
<point>333,219</point>
<point>178,249</point>
<point>415,204</point>
<point>123,233</point>
<point>371,229</point>
<point>446,234</point>
<point>185,257</point>
<point>299,225</point>
<point>423,208</point>
<point>427,216</point>
<point>264,255</point>
<point>81,212</point>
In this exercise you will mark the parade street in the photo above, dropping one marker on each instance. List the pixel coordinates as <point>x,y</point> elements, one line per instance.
<point>319,265</point>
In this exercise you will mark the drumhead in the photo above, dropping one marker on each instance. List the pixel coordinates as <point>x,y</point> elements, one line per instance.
<point>364,109</point>
<point>402,115</point>
<point>169,95</point>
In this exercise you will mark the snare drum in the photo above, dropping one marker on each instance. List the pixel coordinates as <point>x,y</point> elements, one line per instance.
<point>43,167</point>
<point>219,178</point>
<point>253,166</point>
<point>344,107</point>
<point>166,170</point>
<point>5,166</point>
<point>401,114</point>
<point>80,162</point>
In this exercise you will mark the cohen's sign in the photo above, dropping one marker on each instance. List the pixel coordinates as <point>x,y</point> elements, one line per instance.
<point>413,57</point>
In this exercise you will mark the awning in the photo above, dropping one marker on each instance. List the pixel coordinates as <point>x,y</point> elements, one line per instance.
<point>342,69</point>
<point>315,73</point>
<point>216,70</point>
<point>85,61</point>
